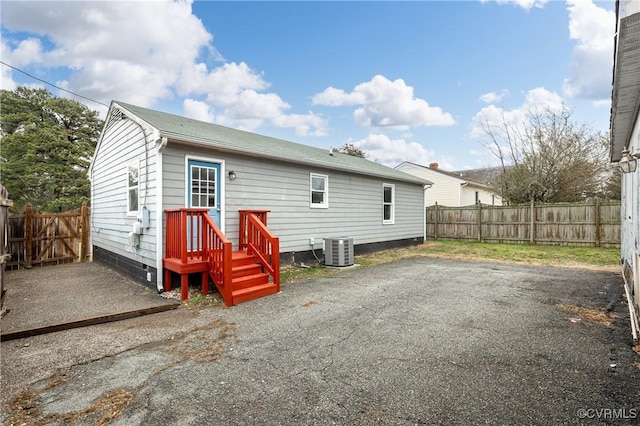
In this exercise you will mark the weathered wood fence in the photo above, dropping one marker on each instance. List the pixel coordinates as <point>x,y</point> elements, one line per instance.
<point>588,224</point>
<point>5,203</point>
<point>37,238</point>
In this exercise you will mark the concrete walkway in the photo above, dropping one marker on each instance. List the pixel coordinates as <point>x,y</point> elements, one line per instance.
<point>42,298</point>
<point>422,341</point>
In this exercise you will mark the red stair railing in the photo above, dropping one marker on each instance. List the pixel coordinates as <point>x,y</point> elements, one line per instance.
<point>193,235</point>
<point>217,249</point>
<point>244,217</point>
<point>256,238</point>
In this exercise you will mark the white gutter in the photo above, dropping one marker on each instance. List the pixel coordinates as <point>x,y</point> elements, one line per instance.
<point>161,143</point>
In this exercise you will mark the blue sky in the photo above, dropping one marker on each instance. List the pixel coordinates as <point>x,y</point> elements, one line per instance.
<point>404,81</point>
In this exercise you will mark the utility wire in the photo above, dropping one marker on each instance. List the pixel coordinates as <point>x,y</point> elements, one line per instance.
<point>51,84</point>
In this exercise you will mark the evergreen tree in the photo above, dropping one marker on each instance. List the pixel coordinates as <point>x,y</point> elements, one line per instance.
<point>46,147</point>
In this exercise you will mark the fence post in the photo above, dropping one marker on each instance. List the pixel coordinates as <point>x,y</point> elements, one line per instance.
<point>597,220</point>
<point>479,221</point>
<point>28,236</point>
<point>84,235</point>
<point>532,225</point>
<point>435,229</point>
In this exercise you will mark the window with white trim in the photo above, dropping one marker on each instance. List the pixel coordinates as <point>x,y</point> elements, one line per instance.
<point>318,191</point>
<point>388,203</point>
<point>133,193</point>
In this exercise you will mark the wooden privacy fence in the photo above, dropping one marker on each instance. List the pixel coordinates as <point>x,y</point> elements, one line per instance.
<point>37,238</point>
<point>588,224</point>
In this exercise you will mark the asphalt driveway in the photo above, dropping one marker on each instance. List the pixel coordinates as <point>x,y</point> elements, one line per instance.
<point>421,341</point>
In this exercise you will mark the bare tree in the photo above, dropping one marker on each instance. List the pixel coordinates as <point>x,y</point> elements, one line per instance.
<point>548,157</point>
<point>351,149</point>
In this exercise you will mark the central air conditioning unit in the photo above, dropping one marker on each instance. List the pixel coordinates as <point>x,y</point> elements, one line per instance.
<point>338,251</point>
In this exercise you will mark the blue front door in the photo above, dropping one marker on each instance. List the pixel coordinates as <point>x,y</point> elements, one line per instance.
<point>205,188</point>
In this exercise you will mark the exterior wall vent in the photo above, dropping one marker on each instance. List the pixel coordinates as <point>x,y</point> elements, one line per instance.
<point>338,251</point>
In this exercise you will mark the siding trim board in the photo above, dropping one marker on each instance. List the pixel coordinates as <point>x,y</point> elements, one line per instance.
<point>159,216</point>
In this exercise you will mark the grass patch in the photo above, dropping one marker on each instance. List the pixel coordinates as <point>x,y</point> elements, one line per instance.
<point>289,273</point>
<point>198,301</point>
<point>604,259</point>
<point>570,257</point>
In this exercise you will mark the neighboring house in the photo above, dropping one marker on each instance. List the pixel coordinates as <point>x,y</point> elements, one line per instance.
<point>625,134</point>
<point>452,189</point>
<point>489,176</point>
<point>147,161</point>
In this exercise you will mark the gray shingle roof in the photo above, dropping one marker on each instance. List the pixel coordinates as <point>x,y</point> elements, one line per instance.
<point>486,176</point>
<point>184,129</point>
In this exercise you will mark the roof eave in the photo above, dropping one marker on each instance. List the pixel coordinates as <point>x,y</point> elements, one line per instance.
<point>625,97</point>
<point>203,142</point>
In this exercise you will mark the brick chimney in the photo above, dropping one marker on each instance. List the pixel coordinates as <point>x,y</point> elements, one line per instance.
<point>433,166</point>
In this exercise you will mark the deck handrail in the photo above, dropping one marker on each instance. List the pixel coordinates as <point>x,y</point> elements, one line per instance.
<point>242,238</point>
<point>193,235</point>
<point>180,224</point>
<point>217,250</point>
<point>259,241</point>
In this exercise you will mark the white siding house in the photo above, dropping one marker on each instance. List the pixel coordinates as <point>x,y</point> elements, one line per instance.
<point>147,161</point>
<point>450,188</point>
<point>625,134</point>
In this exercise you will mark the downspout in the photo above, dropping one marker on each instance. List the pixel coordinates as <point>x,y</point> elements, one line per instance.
<point>161,144</point>
<point>632,308</point>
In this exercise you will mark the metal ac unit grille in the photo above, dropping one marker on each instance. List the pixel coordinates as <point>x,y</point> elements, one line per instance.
<point>338,251</point>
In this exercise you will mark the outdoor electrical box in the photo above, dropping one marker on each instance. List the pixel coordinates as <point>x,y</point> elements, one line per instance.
<point>137,227</point>
<point>145,218</point>
<point>134,239</point>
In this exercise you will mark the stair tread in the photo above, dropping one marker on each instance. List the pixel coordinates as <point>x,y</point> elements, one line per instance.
<point>240,254</point>
<point>253,289</point>
<point>250,277</point>
<point>247,266</point>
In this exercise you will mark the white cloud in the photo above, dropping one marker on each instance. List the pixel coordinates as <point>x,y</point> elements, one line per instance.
<point>113,51</point>
<point>493,97</point>
<point>592,58</point>
<point>143,52</point>
<point>27,51</point>
<point>525,4</point>
<point>385,103</point>
<point>391,152</point>
<point>496,117</point>
<point>222,84</point>
<point>309,124</point>
<point>337,97</point>
<point>6,81</point>
<point>198,110</point>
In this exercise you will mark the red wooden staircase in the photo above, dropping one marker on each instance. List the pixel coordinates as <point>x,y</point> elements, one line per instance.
<point>248,273</point>
<point>248,281</point>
